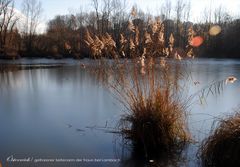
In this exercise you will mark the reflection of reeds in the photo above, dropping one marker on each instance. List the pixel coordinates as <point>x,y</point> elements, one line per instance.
<point>222,147</point>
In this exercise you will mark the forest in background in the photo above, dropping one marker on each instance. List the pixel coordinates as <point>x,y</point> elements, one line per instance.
<point>68,35</point>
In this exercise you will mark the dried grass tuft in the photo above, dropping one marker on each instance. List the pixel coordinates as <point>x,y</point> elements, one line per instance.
<point>222,147</point>
<point>156,121</point>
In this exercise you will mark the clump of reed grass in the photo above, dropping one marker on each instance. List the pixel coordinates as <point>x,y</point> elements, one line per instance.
<point>222,147</point>
<point>157,125</point>
<point>156,121</point>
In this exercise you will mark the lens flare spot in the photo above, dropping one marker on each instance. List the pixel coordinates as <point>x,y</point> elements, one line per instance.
<point>196,41</point>
<point>215,30</point>
<point>231,80</point>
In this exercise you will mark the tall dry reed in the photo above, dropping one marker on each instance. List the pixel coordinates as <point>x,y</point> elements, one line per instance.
<point>155,121</point>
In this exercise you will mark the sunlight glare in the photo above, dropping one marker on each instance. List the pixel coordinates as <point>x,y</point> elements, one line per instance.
<point>215,30</point>
<point>196,41</point>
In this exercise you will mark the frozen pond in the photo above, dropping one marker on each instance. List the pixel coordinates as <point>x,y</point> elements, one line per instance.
<point>59,110</point>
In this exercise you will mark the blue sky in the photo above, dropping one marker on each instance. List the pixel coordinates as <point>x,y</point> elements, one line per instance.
<point>55,7</point>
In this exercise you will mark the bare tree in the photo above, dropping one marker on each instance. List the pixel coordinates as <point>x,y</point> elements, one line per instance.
<point>221,15</point>
<point>205,15</point>
<point>7,22</point>
<point>118,11</point>
<point>179,9</point>
<point>81,18</point>
<point>167,9</point>
<point>118,16</point>
<point>95,5</point>
<point>186,12</point>
<point>32,10</point>
<point>180,5</point>
<point>108,12</point>
<point>208,13</point>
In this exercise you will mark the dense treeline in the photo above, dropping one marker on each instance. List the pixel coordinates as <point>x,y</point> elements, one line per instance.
<point>226,44</point>
<point>108,26</point>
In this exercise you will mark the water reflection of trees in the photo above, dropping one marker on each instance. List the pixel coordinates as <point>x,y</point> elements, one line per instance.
<point>12,76</point>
